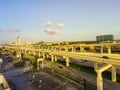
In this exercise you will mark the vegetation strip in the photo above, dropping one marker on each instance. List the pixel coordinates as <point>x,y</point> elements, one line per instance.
<point>90,70</point>
<point>77,80</point>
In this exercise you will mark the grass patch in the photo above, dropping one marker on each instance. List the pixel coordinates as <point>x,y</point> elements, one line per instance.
<point>86,69</point>
<point>90,70</point>
<point>25,59</point>
<point>70,77</point>
<point>19,64</point>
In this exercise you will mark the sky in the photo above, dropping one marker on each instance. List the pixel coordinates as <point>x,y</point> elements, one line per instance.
<point>58,20</point>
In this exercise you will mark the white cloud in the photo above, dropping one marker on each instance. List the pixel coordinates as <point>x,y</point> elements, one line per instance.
<point>60,25</point>
<point>52,31</point>
<point>10,30</point>
<point>49,23</point>
<point>83,22</point>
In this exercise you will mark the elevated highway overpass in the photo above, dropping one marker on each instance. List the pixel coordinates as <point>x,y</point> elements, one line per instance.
<point>112,62</point>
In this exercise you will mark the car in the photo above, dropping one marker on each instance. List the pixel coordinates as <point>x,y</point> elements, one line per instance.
<point>105,57</point>
<point>60,67</point>
<point>9,60</point>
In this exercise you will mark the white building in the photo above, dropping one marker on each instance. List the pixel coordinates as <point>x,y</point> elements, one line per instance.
<point>18,42</point>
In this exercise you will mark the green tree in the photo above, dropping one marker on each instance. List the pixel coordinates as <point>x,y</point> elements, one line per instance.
<point>34,64</point>
<point>14,53</point>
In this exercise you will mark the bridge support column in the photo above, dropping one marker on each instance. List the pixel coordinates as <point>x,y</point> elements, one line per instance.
<point>113,73</point>
<point>99,71</point>
<point>109,50</point>
<point>92,48</point>
<point>66,49</point>
<point>101,50</point>
<point>40,60</point>
<point>73,49</point>
<point>55,58</point>
<point>67,60</point>
<point>99,81</point>
<point>43,55</point>
<point>52,57</point>
<point>81,48</point>
<point>47,56</point>
<point>38,65</point>
<point>39,54</point>
<point>60,49</point>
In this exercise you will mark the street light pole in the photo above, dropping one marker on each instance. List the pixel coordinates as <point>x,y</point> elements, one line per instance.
<point>40,83</point>
<point>52,68</point>
<point>33,81</point>
<point>33,77</point>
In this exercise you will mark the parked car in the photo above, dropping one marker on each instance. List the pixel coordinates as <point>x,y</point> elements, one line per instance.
<point>105,57</point>
<point>60,67</point>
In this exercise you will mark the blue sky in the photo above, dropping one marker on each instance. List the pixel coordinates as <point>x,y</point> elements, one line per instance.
<point>58,20</point>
